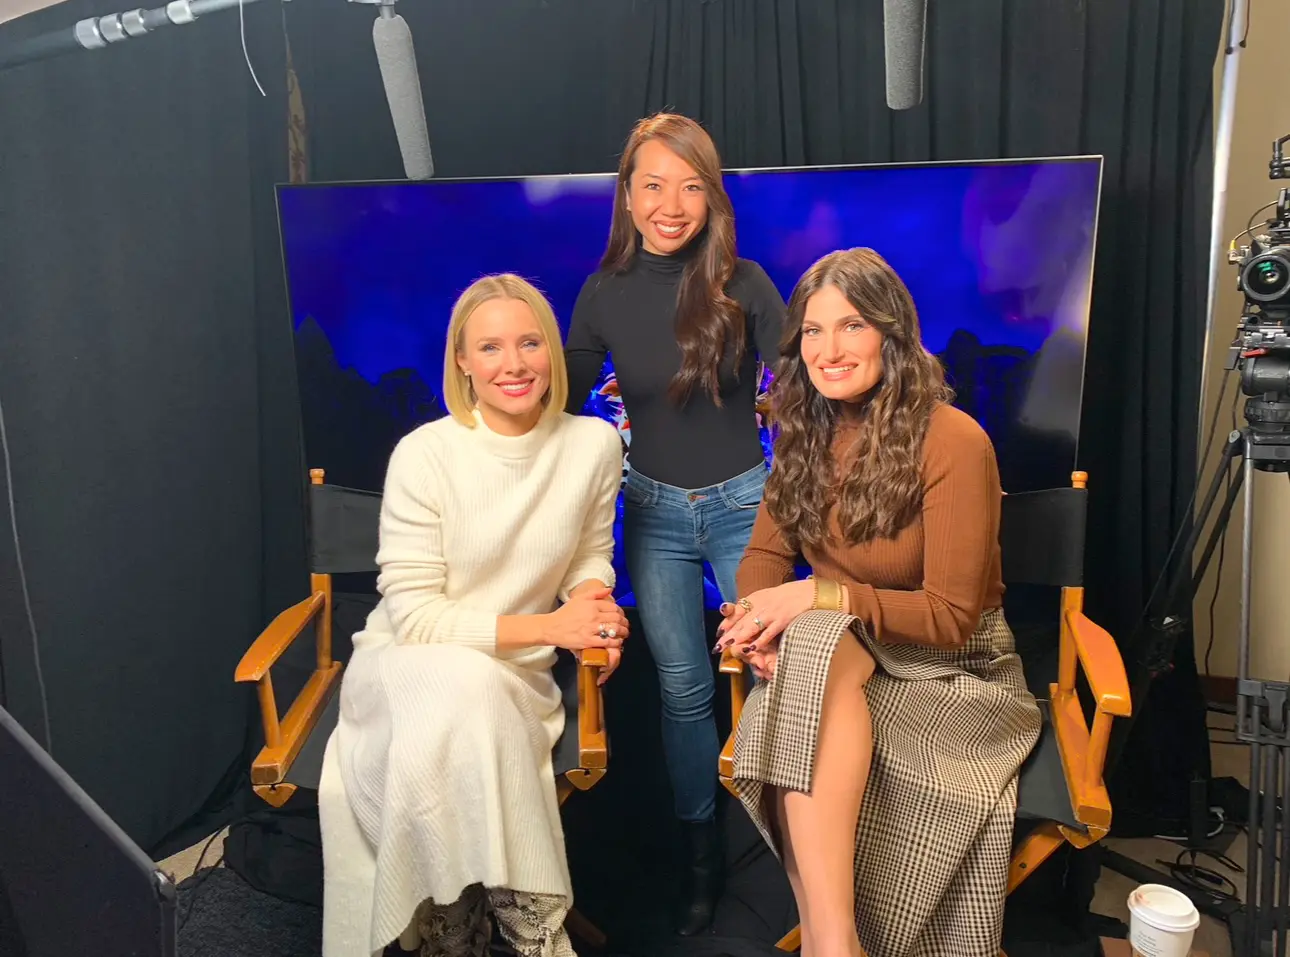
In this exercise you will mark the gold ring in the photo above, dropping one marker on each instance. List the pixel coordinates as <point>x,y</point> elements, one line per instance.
<point>745,604</point>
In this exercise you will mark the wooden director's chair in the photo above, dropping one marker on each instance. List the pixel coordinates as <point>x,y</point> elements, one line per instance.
<point>344,526</point>
<point>1061,796</point>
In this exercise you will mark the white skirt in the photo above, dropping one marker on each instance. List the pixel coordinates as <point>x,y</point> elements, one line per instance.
<point>441,764</point>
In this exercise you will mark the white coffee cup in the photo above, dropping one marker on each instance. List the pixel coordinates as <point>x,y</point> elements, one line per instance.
<point>1162,921</point>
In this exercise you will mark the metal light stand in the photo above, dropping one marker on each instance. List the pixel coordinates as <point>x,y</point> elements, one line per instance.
<point>1262,925</point>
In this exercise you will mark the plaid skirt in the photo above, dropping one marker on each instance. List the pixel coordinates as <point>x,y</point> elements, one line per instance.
<point>950,731</point>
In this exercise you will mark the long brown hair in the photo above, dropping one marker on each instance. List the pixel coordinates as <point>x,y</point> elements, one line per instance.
<point>708,321</point>
<point>880,492</point>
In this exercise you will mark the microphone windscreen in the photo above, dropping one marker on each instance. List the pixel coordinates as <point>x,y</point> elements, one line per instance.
<point>904,31</point>
<point>398,62</point>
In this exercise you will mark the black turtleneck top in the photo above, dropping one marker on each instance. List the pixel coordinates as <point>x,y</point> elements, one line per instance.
<point>631,316</point>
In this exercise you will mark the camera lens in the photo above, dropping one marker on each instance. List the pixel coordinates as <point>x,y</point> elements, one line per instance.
<point>1266,277</point>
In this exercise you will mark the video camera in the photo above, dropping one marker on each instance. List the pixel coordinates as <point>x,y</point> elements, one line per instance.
<point>1261,349</point>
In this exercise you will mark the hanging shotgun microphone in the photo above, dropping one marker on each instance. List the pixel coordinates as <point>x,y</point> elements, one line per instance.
<point>397,59</point>
<point>904,33</point>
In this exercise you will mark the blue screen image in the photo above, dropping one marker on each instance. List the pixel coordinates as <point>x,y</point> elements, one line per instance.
<point>998,257</point>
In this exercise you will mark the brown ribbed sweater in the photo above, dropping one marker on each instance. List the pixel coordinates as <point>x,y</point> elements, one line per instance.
<point>929,584</point>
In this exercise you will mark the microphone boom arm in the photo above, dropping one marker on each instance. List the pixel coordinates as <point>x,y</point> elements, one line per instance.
<point>95,33</point>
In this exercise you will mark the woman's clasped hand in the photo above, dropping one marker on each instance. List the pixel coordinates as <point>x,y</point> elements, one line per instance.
<point>590,619</point>
<point>752,626</point>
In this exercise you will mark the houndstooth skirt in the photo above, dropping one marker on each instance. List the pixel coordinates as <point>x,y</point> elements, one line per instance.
<point>950,731</point>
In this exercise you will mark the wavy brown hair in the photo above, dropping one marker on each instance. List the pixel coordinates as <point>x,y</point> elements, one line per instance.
<point>881,491</point>
<point>708,321</point>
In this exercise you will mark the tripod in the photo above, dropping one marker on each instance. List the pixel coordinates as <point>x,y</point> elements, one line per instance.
<point>1261,722</point>
<point>1262,707</point>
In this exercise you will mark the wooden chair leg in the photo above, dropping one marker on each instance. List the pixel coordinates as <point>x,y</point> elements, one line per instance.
<point>583,929</point>
<point>562,789</point>
<point>1035,848</point>
<point>791,941</point>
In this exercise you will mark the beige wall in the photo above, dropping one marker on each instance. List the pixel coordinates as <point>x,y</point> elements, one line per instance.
<point>1262,115</point>
<point>11,9</point>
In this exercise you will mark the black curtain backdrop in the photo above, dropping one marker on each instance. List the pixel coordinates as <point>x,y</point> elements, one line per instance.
<point>150,412</point>
<point>145,353</point>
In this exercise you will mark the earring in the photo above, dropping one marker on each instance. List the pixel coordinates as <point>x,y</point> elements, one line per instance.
<point>467,373</point>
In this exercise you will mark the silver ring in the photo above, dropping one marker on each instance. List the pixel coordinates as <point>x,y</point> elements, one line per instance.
<point>604,631</point>
<point>757,621</point>
<point>611,632</point>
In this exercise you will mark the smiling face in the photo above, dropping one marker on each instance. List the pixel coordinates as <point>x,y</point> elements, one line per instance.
<point>841,352</point>
<point>667,199</point>
<point>508,362</point>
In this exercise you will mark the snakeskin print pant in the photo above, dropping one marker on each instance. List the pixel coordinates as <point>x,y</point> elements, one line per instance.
<point>533,924</point>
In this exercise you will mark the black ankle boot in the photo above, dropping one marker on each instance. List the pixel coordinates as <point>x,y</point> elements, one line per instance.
<point>704,869</point>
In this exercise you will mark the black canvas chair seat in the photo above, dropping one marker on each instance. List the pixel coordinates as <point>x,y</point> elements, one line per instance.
<point>1042,791</point>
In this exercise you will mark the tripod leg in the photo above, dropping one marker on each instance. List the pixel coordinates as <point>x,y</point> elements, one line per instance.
<point>1283,897</point>
<point>1235,445</point>
<point>1267,841</point>
<point>1219,530</point>
<point>1250,720</point>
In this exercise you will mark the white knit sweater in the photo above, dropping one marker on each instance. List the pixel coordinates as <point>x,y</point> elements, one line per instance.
<point>475,525</point>
<point>444,743</point>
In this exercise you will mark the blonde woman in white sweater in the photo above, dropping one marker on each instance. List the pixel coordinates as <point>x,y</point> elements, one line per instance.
<point>438,800</point>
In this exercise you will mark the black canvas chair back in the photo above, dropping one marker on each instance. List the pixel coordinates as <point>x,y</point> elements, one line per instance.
<point>1041,536</point>
<point>344,530</point>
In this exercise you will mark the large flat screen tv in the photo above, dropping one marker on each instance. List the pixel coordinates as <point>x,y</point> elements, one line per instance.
<point>998,256</point>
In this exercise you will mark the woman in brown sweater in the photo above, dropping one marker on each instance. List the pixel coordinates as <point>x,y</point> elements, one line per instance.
<point>878,753</point>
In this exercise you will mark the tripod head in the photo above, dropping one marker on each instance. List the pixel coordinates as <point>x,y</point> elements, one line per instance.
<point>1261,348</point>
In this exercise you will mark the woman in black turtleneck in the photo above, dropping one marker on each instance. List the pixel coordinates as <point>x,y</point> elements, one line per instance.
<point>687,324</point>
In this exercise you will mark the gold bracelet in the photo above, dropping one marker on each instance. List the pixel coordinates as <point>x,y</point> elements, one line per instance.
<point>828,595</point>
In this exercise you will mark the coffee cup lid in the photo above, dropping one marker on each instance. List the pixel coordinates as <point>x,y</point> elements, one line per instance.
<point>1164,907</point>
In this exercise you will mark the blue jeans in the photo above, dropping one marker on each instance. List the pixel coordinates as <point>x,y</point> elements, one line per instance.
<point>668,534</point>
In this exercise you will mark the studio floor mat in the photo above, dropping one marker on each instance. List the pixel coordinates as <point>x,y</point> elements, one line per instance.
<point>220,915</point>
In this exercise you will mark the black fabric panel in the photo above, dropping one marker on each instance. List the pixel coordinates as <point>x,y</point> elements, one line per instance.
<point>130,376</point>
<point>69,878</point>
<point>1042,794</point>
<point>306,769</point>
<point>1041,537</point>
<point>344,529</point>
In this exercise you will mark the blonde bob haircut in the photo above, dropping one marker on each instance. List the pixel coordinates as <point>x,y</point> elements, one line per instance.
<point>458,395</point>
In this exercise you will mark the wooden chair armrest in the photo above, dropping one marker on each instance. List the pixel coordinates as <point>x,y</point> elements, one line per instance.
<point>1100,659</point>
<point>593,658</point>
<point>734,667</point>
<point>277,638</point>
<point>284,740</point>
<point>593,744</point>
<point>730,665</point>
<point>1083,749</point>
<point>726,760</point>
